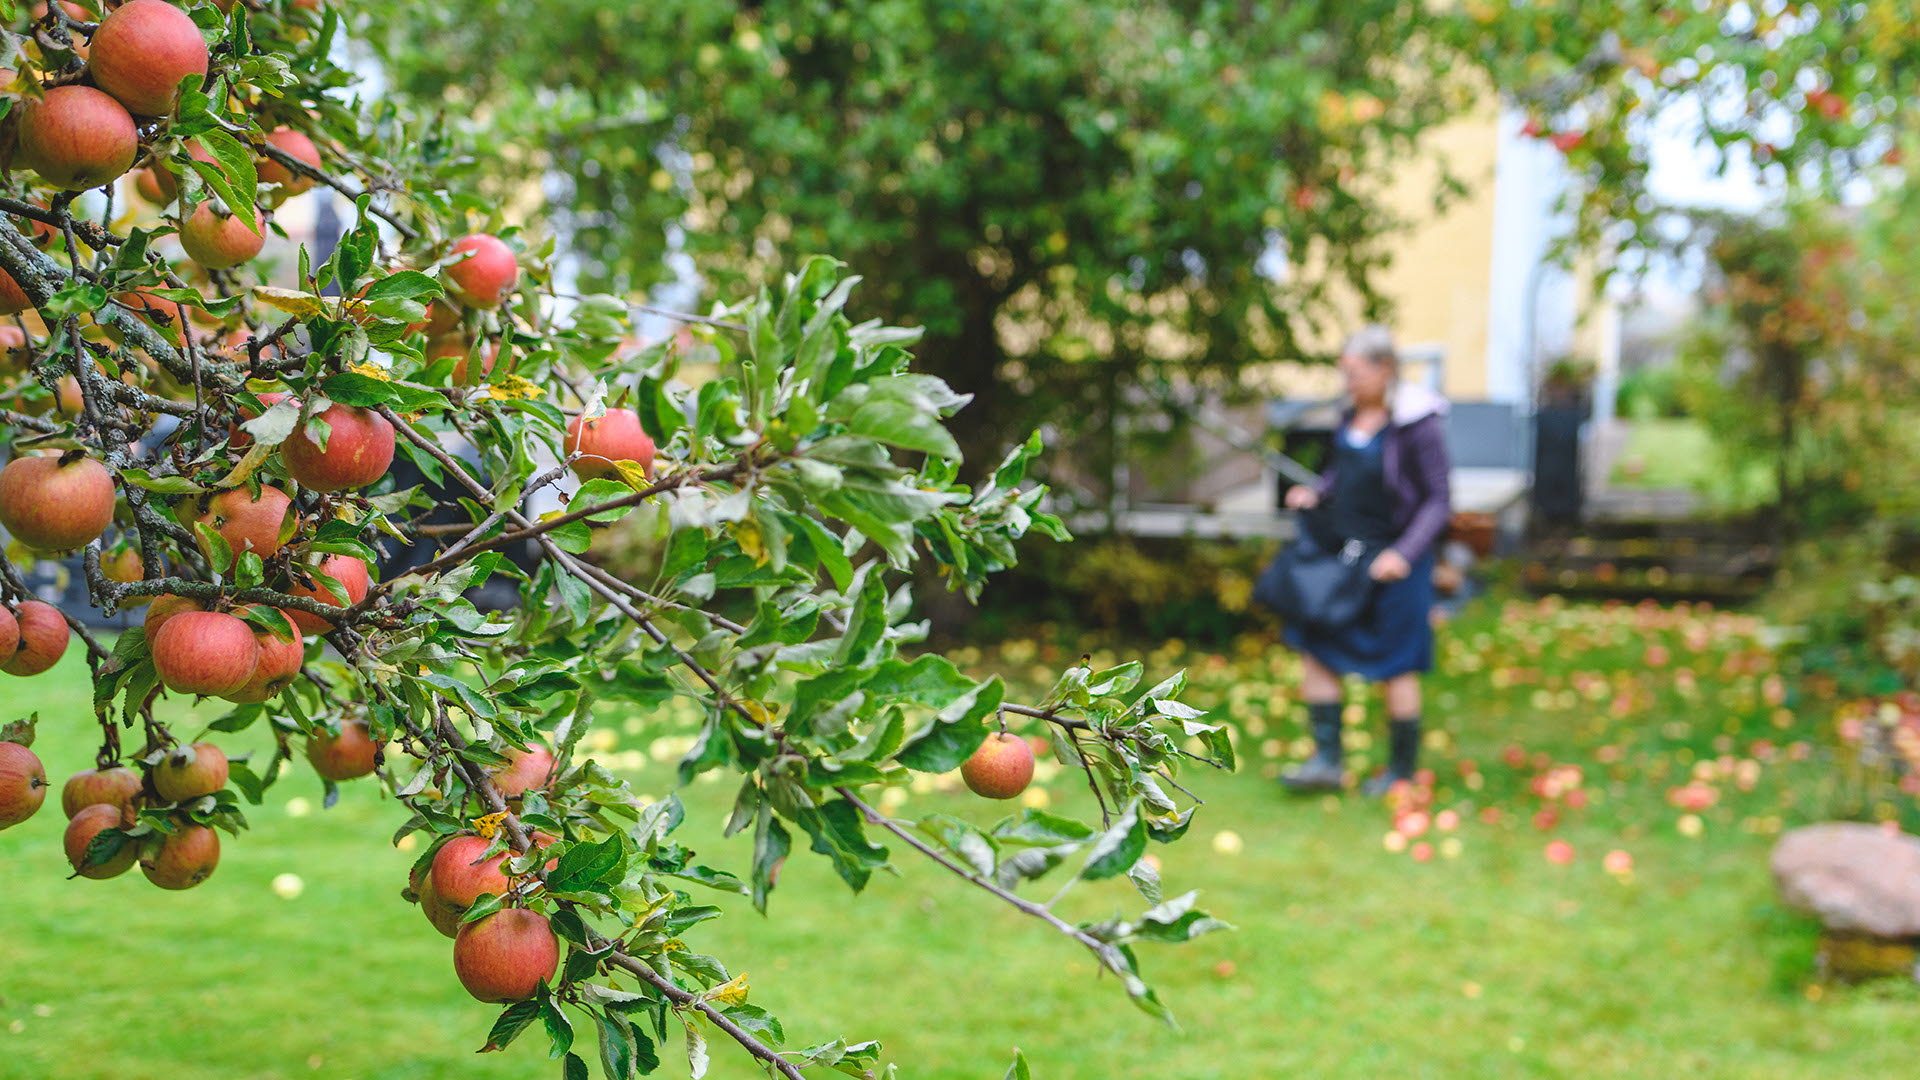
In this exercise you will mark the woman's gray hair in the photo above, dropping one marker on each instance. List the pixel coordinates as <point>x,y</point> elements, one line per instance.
<point>1373,342</point>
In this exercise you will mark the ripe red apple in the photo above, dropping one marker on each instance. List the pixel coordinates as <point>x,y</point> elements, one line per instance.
<point>90,822</point>
<point>1002,767</point>
<point>460,876</point>
<point>89,787</point>
<point>275,668</point>
<point>188,772</point>
<point>247,522</point>
<point>76,138</point>
<point>296,145</point>
<point>185,859</point>
<point>350,571</point>
<point>524,771</point>
<point>56,504</point>
<point>505,956</point>
<point>9,635</point>
<point>358,451</point>
<point>13,301</point>
<point>164,607</point>
<point>43,638</point>
<point>23,784</point>
<point>208,653</point>
<point>141,52</point>
<point>602,440</point>
<point>444,916</point>
<point>348,755</point>
<point>157,184</point>
<point>485,277</point>
<point>218,240</point>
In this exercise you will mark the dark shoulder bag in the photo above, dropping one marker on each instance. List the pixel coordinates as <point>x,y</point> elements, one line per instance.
<point>1318,579</point>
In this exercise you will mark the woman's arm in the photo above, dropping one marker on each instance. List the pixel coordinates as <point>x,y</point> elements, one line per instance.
<point>1432,476</point>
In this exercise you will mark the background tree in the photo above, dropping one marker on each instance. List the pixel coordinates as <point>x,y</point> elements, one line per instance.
<point>1077,197</point>
<point>219,441</point>
<point>1068,197</point>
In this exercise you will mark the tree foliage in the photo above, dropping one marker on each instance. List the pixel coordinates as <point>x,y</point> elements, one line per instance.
<point>797,474</point>
<point>1074,198</point>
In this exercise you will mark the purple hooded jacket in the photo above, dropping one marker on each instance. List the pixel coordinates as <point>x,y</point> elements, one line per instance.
<point>1416,469</point>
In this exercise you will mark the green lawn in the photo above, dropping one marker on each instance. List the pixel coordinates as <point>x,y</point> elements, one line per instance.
<point>1666,453</point>
<point>1350,959</point>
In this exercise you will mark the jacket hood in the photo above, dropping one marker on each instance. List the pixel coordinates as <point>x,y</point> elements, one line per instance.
<point>1412,402</point>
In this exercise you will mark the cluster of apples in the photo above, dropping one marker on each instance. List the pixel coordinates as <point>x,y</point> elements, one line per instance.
<point>504,956</point>
<point>99,800</point>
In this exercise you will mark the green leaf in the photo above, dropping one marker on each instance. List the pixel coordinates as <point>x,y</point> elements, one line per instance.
<point>1018,1070</point>
<point>230,174</point>
<point>353,388</point>
<point>839,833</point>
<point>770,847</point>
<point>164,485</point>
<point>899,424</point>
<point>574,1068</point>
<point>951,735</point>
<point>559,1031</point>
<point>585,866</point>
<point>1118,848</point>
<point>511,1022</point>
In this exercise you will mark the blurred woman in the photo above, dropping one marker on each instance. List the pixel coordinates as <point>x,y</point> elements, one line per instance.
<point>1387,484</point>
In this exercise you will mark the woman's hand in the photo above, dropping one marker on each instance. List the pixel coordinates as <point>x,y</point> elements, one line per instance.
<point>1302,497</point>
<point>1388,566</point>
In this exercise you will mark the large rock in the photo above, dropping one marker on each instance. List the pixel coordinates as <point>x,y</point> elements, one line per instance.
<point>1858,879</point>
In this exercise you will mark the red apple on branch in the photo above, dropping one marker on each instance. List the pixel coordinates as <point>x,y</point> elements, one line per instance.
<point>185,859</point>
<point>347,755</point>
<point>190,772</point>
<point>1002,767</point>
<point>23,784</point>
<point>76,138</point>
<point>601,441</point>
<point>207,653</point>
<point>117,786</point>
<point>481,271</point>
<point>56,503</point>
<point>43,638</point>
<point>358,450</point>
<point>90,822</point>
<point>142,51</point>
<point>505,956</point>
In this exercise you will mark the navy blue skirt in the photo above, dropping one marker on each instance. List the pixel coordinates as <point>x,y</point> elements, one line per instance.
<point>1392,637</point>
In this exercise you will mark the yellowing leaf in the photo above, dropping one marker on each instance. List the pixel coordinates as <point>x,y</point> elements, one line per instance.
<point>514,388</point>
<point>730,993</point>
<point>747,535</point>
<point>489,825</point>
<point>371,370</point>
<point>295,303</point>
<point>633,474</point>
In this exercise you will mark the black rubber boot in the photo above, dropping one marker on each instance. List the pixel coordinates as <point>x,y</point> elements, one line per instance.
<point>1322,771</point>
<point>1403,756</point>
